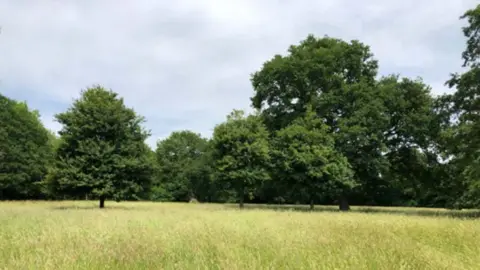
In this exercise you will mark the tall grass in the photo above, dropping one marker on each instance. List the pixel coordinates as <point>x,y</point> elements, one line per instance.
<point>76,235</point>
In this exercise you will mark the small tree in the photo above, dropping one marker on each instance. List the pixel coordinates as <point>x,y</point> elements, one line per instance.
<point>241,153</point>
<point>102,152</point>
<point>305,152</point>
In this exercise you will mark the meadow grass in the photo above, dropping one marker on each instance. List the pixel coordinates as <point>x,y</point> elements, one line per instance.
<point>142,235</point>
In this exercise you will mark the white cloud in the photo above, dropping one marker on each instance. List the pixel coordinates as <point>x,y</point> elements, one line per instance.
<point>186,64</point>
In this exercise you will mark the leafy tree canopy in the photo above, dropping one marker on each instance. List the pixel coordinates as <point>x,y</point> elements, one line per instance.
<point>463,136</point>
<point>241,153</point>
<point>367,117</point>
<point>184,171</point>
<point>25,150</point>
<point>102,152</point>
<point>305,152</point>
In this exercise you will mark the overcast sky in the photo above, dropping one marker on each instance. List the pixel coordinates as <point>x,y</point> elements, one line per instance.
<point>185,64</point>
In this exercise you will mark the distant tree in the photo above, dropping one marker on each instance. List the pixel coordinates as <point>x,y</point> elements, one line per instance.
<point>184,173</point>
<point>25,150</point>
<point>102,151</point>
<point>305,151</point>
<point>241,153</point>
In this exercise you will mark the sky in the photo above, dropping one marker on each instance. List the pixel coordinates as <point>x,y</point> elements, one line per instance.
<point>186,64</point>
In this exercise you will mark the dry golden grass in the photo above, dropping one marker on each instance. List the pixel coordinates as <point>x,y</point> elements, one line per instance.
<point>76,235</point>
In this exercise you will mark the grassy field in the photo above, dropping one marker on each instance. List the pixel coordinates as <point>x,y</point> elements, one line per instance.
<point>76,235</point>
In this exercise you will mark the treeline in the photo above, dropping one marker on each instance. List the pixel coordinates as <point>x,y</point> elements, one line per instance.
<point>326,130</point>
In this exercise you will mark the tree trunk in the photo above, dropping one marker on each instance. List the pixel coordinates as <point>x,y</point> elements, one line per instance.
<point>343,203</point>
<point>241,195</point>
<point>241,200</point>
<point>102,202</point>
<point>312,205</point>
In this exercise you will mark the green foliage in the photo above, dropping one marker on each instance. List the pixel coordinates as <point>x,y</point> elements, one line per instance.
<point>25,150</point>
<point>369,120</point>
<point>411,117</point>
<point>463,135</point>
<point>326,127</point>
<point>241,153</point>
<point>312,73</point>
<point>337,79</point>
<point>411,136</point>
<point>306,155</point>
<point>184,168</point>
<point>102,152</point>
<point>160,194</point>
<point>471,55</point>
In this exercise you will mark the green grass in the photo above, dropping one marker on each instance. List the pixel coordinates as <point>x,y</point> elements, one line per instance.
<point>76,235</point>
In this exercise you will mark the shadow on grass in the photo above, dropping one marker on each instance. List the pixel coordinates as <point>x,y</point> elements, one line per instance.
<point>91,207</point>
<point>408,211</point>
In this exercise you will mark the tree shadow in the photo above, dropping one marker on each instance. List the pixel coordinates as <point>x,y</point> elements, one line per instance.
<point>91,207</point>
<point>407,211</point>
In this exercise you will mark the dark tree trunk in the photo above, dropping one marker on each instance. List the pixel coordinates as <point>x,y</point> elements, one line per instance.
<point>312,200</point>
<point>242,196</point>
<point>102,202</point>
<point>343,203</point>
<point>241,201</point>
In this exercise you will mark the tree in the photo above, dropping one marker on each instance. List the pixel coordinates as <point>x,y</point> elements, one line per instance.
<point>25,150</point>
<point>184,173</point>
<point>241,153</point>
<point>373,121</point>
<point>411,137</point>
<point>464,104</point>
<point>102,152</point>
<point>305,152</point>
<point>337,79</point>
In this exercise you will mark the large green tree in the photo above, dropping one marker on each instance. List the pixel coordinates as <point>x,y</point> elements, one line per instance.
<point>184,169</point>
<point>25,150</point>
<point>463,136</point>
<point>102,151</point>
<point>373,122</point>
<point>305,153</point>
<point>241,153</point>
<point>337,78</point>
